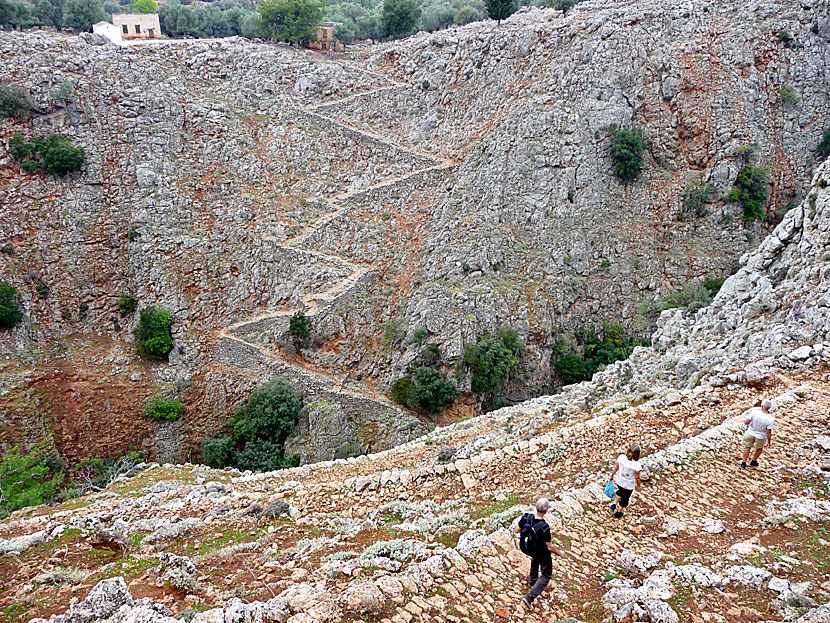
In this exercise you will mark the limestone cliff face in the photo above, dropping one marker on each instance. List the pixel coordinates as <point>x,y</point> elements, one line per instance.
<point>535,230</point>
<point>454,182</point>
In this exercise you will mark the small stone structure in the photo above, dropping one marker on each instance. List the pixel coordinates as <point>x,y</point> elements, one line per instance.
<point>110,31</point>
<point>324,38</point>
<point>138,25</point>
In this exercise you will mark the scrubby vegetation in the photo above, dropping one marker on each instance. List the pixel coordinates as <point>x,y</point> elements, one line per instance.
<point>163,409</point>
<point>823,147</point>
<point>39,477</point>
<point>627,147</point>
<point>14,101</point>
<point>597,352</point>
<point>95,474</point>
<point>54,154</point>
<point>10,312</point>
<point>751,189</point>
<point>126,304</point>
<point>299,328</point>
<point>259,430</point>
<point>28,480</point>
<point>492,360</point>
<point>692,296</point>
<point>427,390</point>
<point>432,391</point>
<point>152,335</point>
<point>695,198</point>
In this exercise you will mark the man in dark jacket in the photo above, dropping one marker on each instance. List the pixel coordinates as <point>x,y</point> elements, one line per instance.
<point>541,563</point>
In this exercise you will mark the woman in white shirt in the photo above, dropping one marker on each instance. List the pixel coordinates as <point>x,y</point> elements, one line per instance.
<point>627,472</point>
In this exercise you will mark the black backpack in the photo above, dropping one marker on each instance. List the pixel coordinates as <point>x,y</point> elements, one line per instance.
<point>530,539</point>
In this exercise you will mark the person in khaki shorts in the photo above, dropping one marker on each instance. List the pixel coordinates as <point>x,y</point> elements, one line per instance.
<point>759,434</point>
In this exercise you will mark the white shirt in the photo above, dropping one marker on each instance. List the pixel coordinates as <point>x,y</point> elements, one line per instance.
<point>760,422</point>
<point>625,474</point>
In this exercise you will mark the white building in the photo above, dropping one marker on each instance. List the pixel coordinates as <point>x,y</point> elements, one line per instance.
<point>110,31</point>
<point>138,25</point>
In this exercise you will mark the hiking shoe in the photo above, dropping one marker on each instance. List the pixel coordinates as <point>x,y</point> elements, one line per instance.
<point>523,607</point>
<point>613,508</point>
<point>753,464</point>
<point>743,464</point>
<point>619,514</point>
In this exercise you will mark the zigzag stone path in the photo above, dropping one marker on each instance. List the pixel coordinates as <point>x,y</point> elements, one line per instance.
<point>240,343</point>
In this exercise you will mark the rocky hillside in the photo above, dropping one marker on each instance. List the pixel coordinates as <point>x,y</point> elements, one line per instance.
<point>452,183</point>
<point>421,532</point>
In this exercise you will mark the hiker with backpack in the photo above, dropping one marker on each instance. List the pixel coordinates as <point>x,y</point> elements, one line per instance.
<point>627,476</point>
<point>535,541</point>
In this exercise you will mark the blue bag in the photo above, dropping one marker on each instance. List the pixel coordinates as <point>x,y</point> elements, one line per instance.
<point>609,490</point>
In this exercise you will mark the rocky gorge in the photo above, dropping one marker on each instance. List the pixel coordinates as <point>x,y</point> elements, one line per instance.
<point>452,183</point>
<point>421,531</point>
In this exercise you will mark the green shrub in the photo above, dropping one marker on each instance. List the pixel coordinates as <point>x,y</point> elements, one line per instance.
<point>787,94</point>
<point>28,480</point>
<point>345,34</point>
<point>289,20</point>
<point>152,335</point>
<point>10,311</point>
<point>748,152</point>
<point>7,248</point>
<point>145,6</point>
<point>42,289</point>
<point>19,147</point>
<point>572,369</point>
<point>401,392</point>
<point>492,359</point>
<point>751,190</point>
<point>272,412</point>
<point>392,333</point>
<point>597,353</point>
<point>260,428</point>
<point>218,452</point>
<point>627,149</point>
<point>713,285</point>
<point>823,147</point>
<point>432,391</point>
<point>163,409</point>
<point>693,295</point>
<point>695,198</point>
<point>784,36</point>
<point>55,154</point>
<point>262,455</point>
<point>60,156</point>
<point>126,304</point>
<point>429,356</point>
<point>298,327</point>
<point>464,15</point>
<point>419,335</point>
<point>14,102</point>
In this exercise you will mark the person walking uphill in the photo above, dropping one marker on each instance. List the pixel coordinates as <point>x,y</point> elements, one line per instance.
<point>627,472</point>
<point>535,541</point>
<point>759,434</point>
